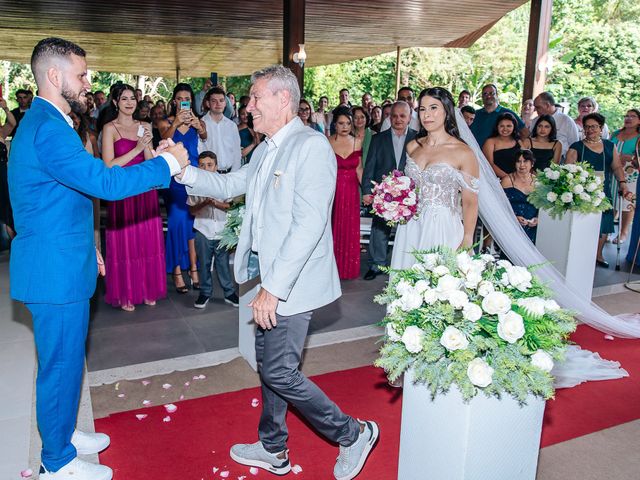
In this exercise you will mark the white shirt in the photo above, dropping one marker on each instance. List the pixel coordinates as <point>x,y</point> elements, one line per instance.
<point>398,144</point>
<point>209,220</point>
<point>262,180</point>
<point>567,130</point>
<point>223,139</point>
<point>414,123</point>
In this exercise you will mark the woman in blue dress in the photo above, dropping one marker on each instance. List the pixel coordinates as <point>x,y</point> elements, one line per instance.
<point>635,230</point>
<point>183,125</point>
<point>517,187</point>
<point>604,158</point>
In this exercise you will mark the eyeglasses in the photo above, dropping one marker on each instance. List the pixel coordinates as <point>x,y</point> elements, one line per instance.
<point>304,110</point>
<point>591,127</point>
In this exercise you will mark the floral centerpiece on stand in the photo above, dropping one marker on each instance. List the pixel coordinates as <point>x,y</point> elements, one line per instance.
<point>231,231</point>
<point>395,198</point>
<point>571,187</point>
<point>469,321</point>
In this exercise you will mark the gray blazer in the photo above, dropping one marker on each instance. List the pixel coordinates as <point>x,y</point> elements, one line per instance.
<point>296,257</point>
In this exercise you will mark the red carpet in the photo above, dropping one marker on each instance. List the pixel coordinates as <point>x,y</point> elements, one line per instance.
<point>199,435</point>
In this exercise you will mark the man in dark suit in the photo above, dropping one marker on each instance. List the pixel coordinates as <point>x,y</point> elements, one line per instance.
<point>387,152</point>
<point>54,262</point>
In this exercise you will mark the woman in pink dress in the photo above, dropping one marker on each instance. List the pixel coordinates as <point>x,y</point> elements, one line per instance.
<point>346,205</point>
<point>135,261</point>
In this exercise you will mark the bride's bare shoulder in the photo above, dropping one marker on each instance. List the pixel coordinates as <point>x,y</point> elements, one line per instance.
<point>412,147</point>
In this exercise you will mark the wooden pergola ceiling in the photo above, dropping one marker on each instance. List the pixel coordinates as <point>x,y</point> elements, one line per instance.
<point>237,37</point>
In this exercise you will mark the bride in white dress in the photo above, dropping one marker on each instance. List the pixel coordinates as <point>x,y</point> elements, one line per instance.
<point>445,171</point>
<point>454,179</point>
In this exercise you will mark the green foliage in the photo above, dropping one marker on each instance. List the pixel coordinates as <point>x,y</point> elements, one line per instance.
<point>231,231</point>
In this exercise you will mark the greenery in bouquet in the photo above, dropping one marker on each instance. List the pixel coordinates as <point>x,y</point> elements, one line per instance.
<point>569,188</point>
<point>470,321</point>
<point>231,230</point>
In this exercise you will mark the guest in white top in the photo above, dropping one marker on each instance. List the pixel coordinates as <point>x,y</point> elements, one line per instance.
<point>223,138</point>
<point>210,218</point>
<point>567,131</point>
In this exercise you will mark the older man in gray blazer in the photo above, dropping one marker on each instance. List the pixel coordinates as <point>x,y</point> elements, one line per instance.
<point>286,236</point>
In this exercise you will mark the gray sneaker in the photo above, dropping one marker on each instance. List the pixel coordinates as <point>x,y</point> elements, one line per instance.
<point>254,455</point>
<point>351,459</point>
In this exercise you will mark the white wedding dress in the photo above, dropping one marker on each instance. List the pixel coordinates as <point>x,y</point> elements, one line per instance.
<point>440,223</point>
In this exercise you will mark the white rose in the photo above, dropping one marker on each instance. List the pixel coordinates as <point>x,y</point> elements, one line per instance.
<point>578,189</point>
<point>421,286</point>
<point>487,258</point>
<point>496,303</point>
<point>430,260</point>
<point>597,180</point>
<point>534,305</point>
<point>510,326</point>
<point>403,287</point>
<point>458,299</point>
<point>485,288</point>
<point>556,175</point>
<point>519,277</point>
<point>552,197</point>
<point>478,265</point>
<point>551,305</point>
<point>504,279</point>
<point>472,279</point>
<point>600,194</point>
<point>448,283</point>
<point>548,173</point>
<point>430,296</point>
<point>393,306</point>
<point>591,187</point>
<point>585,197</point>
<point>410,301</point>
<point>404,181</point>
<point>409,201</point>
<point>569,176</point>
<point>503,263</point>
<point>463,260</point>
<point>479,372</point>
<point>542,360</point>
<point>597,201</point>
<point>419,267</point>
<point>440,270</point>
<point>392,333</point>
<point>570,167</point>
<point>584,175</point>
<point>412,338</point>
<point>453,339</point>
<point>566,197</point>
<point>472,312</point>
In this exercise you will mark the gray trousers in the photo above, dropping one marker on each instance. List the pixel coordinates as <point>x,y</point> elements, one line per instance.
<point>278,353</point>
<point>378,243</point>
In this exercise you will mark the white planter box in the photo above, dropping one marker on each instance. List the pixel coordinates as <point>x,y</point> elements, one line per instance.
<point>571,244</point>
<point>246,325</point>
<point>487,438</point>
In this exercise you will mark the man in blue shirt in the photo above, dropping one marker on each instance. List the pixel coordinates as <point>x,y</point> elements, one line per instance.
<point>487,116</point>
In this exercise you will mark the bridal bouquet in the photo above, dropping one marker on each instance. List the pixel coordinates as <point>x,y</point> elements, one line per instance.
<point>571,187</point>
<point>395,198</point>
<point>468,320</point>
<point>231,230</point>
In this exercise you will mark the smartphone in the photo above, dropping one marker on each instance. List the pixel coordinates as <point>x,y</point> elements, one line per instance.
<point>140,131</point>
<point>185,105</point>
<point>214,78</point>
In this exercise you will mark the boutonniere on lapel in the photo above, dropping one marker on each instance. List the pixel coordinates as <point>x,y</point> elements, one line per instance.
<point>277,174</point>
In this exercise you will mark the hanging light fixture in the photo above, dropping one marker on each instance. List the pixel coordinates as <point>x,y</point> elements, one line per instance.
<point>300,56</point>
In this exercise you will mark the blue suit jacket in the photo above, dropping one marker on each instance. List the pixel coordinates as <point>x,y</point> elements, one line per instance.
<point>51,181</point>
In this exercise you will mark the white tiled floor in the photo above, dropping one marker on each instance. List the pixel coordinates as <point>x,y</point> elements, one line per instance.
<point>17,366</point>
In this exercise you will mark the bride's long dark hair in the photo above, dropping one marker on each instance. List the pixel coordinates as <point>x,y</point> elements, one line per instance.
<point>445,97</point>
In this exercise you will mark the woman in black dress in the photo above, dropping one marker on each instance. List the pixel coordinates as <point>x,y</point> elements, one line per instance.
<point>502,145</point>
<point>543,143</point>
<point>6,215</point>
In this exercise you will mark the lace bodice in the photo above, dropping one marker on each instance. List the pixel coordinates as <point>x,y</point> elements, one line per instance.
<point>439,185</point>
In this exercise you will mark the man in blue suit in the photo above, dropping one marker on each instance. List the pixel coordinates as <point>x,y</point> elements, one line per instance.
<point>53,259</point>
<point>388,152</point>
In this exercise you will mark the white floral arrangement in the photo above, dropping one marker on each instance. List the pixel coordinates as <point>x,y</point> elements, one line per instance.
<point>231,231</point>
<point>569,188</point>
<point>470,321</point>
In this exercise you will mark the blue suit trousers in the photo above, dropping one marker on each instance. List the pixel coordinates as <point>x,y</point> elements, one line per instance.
<point>60,333</point>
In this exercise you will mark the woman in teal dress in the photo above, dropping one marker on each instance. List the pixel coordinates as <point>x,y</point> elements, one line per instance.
<point>625,141</point>
<point>248,138</point>
<point>603,157</point>
<point>635,231</point>
<point>183,125</point>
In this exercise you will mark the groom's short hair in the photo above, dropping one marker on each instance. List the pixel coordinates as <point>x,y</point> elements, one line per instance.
<point>280,78</point>
<point>48,49</point>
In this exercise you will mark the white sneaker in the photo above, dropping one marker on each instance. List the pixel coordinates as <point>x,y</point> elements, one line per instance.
<point>89,443</point>
<point>78,469</point>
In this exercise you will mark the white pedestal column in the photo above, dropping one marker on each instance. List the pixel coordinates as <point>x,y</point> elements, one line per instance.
<point>570,244</point>
<point>447,439</point>
<point>246,325</point>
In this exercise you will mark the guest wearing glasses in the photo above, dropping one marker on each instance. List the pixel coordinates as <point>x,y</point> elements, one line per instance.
<point>603,157</point>
<point>587,105</point>
<point>304,112</point>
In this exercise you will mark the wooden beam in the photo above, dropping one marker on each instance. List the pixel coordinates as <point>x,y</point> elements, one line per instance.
<point>398,52</point>
<point>293,35</point>
<point>535,73</point>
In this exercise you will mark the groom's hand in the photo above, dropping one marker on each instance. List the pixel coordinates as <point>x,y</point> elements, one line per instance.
<point>264,309</point>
